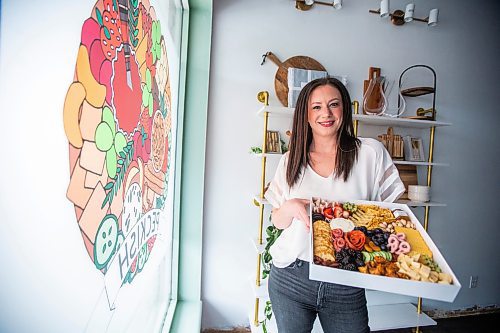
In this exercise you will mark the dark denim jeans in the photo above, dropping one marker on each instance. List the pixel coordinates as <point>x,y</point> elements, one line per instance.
<point>296,301</point>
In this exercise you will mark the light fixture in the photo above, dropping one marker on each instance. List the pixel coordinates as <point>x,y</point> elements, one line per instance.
<point>308,4</point>
<point>410,8</point>
<point>384,8</point>
<point>398,17</point>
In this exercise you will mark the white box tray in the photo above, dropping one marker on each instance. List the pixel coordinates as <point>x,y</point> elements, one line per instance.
<point>435,291</point>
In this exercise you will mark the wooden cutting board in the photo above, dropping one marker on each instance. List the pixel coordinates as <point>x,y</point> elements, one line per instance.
<point>408,175</point>
<point>281,77</point>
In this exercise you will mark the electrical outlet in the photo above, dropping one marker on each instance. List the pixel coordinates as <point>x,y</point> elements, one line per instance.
<point>473,281</point>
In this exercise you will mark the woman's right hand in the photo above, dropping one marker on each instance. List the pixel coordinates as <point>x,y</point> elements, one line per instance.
<point>290,209</point>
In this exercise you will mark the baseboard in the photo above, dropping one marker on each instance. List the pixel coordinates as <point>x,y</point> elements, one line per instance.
<point>472,311</point>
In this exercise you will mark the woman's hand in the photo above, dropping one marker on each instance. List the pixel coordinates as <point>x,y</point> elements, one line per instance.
<point>293,208</point>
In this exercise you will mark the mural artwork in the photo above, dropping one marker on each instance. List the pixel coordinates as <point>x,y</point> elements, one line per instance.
<point>117,119</point>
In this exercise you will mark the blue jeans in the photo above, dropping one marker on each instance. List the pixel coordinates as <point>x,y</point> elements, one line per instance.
<point>296,301</point>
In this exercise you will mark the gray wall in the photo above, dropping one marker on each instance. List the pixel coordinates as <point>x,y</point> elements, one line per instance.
<point>463,49</point>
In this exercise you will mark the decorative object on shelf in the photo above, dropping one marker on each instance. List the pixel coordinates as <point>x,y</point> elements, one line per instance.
<point>393,143</point>
<point>297,79</point>
<point>374,101</point>
<point>375,92</point>
<point>413,149</point>
<point>273,142</point>
<point>419,91</point>
<point>281,77</point>
<point>308,4</point>
<point>399,17</point>
<point>419,193</point>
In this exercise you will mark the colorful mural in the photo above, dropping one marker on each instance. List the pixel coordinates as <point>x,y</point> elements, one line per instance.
<point>118,122</point>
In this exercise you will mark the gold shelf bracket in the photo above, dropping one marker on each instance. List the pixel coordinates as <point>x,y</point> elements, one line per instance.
<point>263,97</point>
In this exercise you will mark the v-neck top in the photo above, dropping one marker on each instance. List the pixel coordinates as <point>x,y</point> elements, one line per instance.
<point>374,177</point>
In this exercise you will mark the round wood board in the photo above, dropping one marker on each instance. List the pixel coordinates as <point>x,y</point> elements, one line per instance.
<point>281,78</point>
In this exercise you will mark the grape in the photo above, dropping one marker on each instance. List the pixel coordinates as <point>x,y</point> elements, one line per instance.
<point>103,137</point>
<point>109,118</point>
<point>350,267</point>
<point>318,217</point>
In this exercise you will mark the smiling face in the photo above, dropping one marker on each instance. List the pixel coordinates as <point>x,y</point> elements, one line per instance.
<point>324,111</point>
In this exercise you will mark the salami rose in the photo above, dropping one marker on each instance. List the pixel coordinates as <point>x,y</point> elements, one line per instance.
<point>355,239</point>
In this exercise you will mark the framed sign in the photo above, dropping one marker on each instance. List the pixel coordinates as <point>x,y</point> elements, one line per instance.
<point>414,149</point>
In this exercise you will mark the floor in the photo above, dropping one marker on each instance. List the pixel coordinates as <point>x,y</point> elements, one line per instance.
<point>464,324</point>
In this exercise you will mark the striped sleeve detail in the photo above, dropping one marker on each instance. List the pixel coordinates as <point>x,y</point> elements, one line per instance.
<point>391,187</point>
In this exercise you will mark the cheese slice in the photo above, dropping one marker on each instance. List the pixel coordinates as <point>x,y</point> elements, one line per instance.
<point>417,243</point>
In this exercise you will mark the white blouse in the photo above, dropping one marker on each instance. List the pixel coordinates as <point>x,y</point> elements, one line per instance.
<point>374,177</point>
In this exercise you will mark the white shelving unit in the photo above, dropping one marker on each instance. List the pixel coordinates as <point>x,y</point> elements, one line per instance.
<point>400,314</point>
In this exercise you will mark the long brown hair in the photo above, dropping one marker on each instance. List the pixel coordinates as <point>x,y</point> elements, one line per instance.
<point>300,141</point>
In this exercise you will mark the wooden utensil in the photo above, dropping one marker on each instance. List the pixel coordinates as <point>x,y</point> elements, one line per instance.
<point>281,77</point>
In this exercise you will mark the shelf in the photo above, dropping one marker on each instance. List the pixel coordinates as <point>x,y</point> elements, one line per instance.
<point>259,248</point>
<point>282,111</point>
<point>276,155</point>
<point>417,91</point>
<point>260,201</point>
<point>277,111</point>
<point>420,163</point>
<point>272,155</point>
<point>420,204</point>
<point>406,202</point>
<point>399,122</point>
<point>259,291</point>
<point>392,316</point>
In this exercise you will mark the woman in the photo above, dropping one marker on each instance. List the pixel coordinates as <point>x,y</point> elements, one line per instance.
<point>325,160</point>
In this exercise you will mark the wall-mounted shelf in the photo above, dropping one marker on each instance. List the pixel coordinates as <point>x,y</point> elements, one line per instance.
<point>402,201</point>
<point>421,204</point>
<point>259,248</point>
<point>276,111</point>
<point>417,91</point>
<point>272,155</point>
<point>275,155</point>
<point>281,111</point>
<point>397,122</point>
<point>421,163</point>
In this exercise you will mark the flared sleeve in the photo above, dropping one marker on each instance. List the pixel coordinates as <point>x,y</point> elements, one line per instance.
<point>388,185</point>
<point>275,193</point>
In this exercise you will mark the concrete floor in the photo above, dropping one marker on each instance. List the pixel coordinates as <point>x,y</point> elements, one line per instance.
<point>463,324</point>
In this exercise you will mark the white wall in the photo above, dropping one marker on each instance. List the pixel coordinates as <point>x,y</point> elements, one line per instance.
<point>463,49</point>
